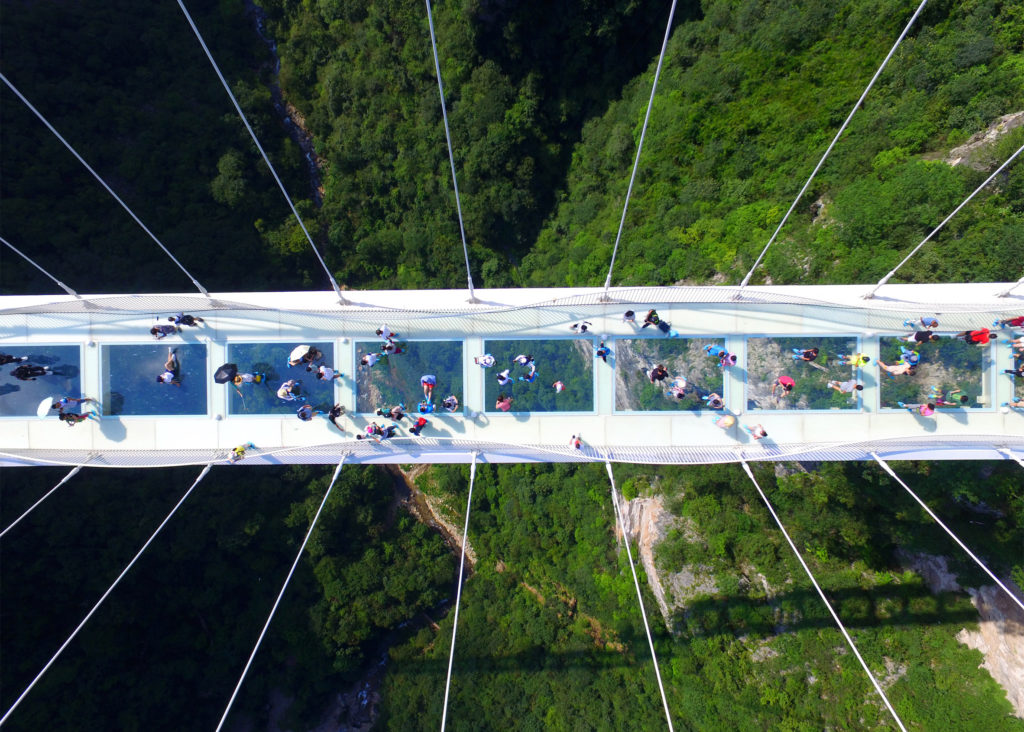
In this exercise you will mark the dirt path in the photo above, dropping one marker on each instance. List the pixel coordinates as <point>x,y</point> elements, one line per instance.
<point>427,509</point>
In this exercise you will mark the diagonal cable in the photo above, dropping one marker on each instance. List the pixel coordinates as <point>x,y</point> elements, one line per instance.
<point>885,466</point>
<point>102,183</point>
<point>1011,288</point>
<point>945,221</point>
<point>458,592</point>
<point>1012,456</point>
<point>639,147</point>
<point>66,478</point>
<point>273,172</point>
<point>639,596</point>
<point>832,144</point>
<point>824,599</point>
<point>277,602</point>
<point>99,602</point>
<point>24,256</point>
<point>451,157</point>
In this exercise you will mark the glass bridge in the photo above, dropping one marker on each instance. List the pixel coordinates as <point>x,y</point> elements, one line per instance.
<point>101,347</point>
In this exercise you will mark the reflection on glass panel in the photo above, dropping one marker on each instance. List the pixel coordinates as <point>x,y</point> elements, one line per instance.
<point>396,378</point>
<point>154,379</point>
<point>692,373</point>
<point>821,380</point>
<point>947,371</point>
<point>263,368</point>
<point>566,361</point>
<point>46,372</point>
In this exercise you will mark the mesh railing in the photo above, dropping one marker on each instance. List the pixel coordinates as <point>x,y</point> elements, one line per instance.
<point>584,297</point>
<point>412,450</point>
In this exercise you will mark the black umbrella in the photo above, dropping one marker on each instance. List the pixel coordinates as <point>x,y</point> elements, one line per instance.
<point>225,373</point>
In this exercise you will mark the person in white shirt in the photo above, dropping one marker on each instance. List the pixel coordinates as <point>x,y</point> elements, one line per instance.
<point>845,387</point>
<point>326,373</point>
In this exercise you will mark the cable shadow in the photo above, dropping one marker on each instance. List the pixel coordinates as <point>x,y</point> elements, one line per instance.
<point>733,616</point>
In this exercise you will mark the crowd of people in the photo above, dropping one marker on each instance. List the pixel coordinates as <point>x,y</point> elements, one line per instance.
<point>913,351</point>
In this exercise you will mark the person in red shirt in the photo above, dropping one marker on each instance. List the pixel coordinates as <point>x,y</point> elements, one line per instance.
<point>504,403</point>
<point>418,427</point>
<point>786,383</point>
<point>981,337</point>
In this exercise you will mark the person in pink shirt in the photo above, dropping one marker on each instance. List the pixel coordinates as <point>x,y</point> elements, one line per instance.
<point>504,403</point>
<point>925,410</point>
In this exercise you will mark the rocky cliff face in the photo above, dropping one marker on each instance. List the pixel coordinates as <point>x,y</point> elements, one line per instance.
<point>1000,637</point>
<point>646,521</point>
<point>976,152</point>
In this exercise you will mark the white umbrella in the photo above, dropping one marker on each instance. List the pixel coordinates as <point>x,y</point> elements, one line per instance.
<point>297,353</point>
<point>45,406</point>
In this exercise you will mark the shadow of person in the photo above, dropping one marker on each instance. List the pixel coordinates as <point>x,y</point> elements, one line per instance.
<point>450,426</point>
<point>67,370</point>
<point>41,359</point>
<point>479,418</point>
<point>928,423</point>
<point>113,428</point>
<point>959,415</point>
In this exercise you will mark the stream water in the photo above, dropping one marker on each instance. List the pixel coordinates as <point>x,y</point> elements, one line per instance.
<point>289,115</point>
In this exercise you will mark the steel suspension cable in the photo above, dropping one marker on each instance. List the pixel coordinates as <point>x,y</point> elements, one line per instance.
<point>458,593</point>
<point>946,220</point>
<point>298,556</point>
<point>639,595</point>
<point>66,478</point>
<point>273,172</point>
<point>1012,456</point>
<point>1011,288</point>
<point>842,129</point>
<point>24,256</point>
<point>451,157</point>
<point>824,599</point>
<point>102,182</point>
<point>889,470</point>
<point>99,602</point>
<point>639,147</point>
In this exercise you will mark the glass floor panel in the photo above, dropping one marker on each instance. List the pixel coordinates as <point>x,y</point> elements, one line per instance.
<point>770,358</point>
<point>271,361</point>
<point>130,385</point>
<point>682,357</point>
<point>569,360</point>
<point>396,379</point>
<point>21,398</point>
<point>947,365</point>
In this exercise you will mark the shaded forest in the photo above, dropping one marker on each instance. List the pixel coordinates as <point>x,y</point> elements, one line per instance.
<point>545,105</point>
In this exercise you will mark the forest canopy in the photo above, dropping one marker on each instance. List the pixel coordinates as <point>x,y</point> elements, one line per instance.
<point>545,102</point>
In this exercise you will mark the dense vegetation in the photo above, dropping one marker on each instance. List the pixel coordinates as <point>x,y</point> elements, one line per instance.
<point>545,105</point>
<point>754,93</point>
<point>550,635</point>
<point>166,648</point>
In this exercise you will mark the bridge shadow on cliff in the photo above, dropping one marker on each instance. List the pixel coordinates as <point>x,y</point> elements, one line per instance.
<point>735,616</point>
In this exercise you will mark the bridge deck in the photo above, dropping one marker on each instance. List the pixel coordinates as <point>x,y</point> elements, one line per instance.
<point>293,318</point>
